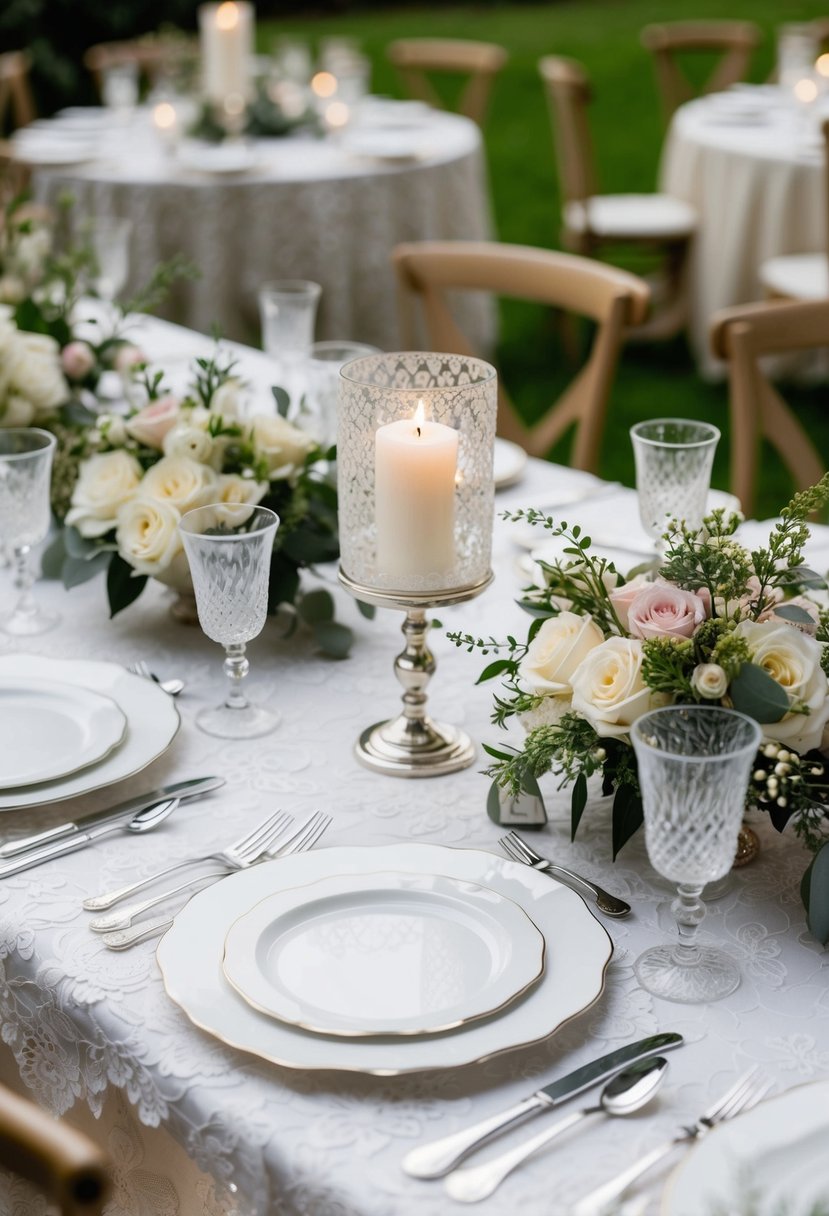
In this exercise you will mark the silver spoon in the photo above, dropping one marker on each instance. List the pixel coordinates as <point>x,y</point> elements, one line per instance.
<point>624,1094</point>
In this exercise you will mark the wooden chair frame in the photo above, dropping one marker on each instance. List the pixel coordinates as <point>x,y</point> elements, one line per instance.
<point>15,90</point>
<point>735,40</point>
<point>742,336</point>
<point>612,298</point>
<point>415,58</point>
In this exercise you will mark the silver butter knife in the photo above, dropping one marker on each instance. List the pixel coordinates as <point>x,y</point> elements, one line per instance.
<point>440,1156</point>
<point>194,787</point>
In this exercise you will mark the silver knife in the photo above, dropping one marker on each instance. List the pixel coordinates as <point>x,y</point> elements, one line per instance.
<point>440,1156</point>
<point>192,788</point>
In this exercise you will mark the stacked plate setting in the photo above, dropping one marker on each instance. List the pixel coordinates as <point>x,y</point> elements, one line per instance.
<point>72,726</point>
<point>387,960</point>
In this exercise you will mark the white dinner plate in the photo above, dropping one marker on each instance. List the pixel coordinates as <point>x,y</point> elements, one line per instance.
<point>50,730</point>
<point>152,723</point>
<point>221,159</point>
<point>509,463</point>
<point>53,150</point>
<point>578,951</point>
<point>773,1159</point>
<point>390,954</point>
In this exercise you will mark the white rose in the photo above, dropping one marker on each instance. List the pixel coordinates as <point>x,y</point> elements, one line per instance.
<point>556,651</point>
<point>106,482</point>
<point>180,481</point>
<point>230,487</point>
<point>608,688</point>
<point>113,429</point>
<point>710,681</point>
<point>793,660</point>
<point>184,440</point>
<point>147,535</point>
<point>12,289</point>
<point>282,445</point>
<point>36,372</point>
<point>17,412</point>
<point>227,400</point>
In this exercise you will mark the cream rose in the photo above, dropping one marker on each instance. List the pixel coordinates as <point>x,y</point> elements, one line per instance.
<point>150,425</point>
<point>36,372</point>
<point>227,400</point>
<point>662,610</point>
<point>147,534</point>
<point>608,688</point>
<point>184,440</point>
<point>556,651</point>
<point>281,445</point>
<point>230,487</point>
<point>182,482</point>
<point>106,482</point>
<point>17,412</point>
<point>793,660</point>
<point>710,681</point>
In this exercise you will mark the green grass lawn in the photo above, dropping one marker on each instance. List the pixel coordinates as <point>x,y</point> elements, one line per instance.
<point>603,34</point>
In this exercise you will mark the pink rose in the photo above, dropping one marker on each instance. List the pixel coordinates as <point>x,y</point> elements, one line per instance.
<point>623,597</point>
<point>150,425</point>
<point>128,357</point>
<point>77,360</point>
<point>664,611</point>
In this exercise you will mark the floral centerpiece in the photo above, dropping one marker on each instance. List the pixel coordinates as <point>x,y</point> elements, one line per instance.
<point>121,486</point>
<point>719,625</point>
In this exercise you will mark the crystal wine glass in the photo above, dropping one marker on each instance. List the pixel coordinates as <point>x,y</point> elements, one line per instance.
<point>288,311</point>
<point>694,763</point>
<point>26,455</point>
<point>673,459</point>
<point>228,546</point>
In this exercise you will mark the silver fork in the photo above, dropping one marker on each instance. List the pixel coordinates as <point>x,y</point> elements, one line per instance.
<point>171,687</point>
<point>519,850</point>
<point>261,846</point>
<point>228,857</point>
<point>743,1094</point>
<point>302,840</point>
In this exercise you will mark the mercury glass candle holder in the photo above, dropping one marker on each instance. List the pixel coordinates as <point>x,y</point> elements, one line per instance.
<point>416,498</point>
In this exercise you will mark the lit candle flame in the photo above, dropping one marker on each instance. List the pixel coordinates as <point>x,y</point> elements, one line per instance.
<point>419,418</point>
<point>227,16</point>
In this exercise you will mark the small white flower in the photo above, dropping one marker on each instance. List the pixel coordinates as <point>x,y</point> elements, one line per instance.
<point>709,681</point>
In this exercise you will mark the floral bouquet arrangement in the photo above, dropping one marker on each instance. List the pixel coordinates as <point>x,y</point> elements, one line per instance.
<point>122,485</point>
<point>719,625</point>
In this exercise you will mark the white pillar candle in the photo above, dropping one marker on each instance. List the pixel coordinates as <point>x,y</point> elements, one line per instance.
<point>227,32</point>
<point>415,463</point>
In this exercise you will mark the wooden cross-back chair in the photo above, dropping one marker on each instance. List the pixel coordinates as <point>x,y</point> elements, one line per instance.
<point>17,105</point>
<point>612,298</point>
<point>742,336</point>
<point>594,223</point>
<point>416,58</point>
<point>732,41</point>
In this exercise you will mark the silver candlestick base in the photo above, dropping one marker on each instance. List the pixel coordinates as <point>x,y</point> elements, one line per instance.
<point>412,745</point>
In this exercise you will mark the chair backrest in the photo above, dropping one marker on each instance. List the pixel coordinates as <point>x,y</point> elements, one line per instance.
<point>416,58</point>
<point>568,95</point>
<point>64,1164</point>
<point>742,336</point>
<point>15,91</point>
<point>732,41</point>
<point>612,298</point>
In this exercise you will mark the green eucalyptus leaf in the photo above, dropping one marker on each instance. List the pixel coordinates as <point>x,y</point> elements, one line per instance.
<point>333,639</point>
<point>53,557</point>
<point>793,612</point>
<point>367,610</point>
<point>814,890</point>
<point>494,669</point>
<point>283,401</point>
<point>754,692</point>
<point>497,754</point>
<point>542,611</point>
<point>578,801</point>
<point>74,413</point>
<point>77,570</point>
<point>123,585</point>
<point>627,816</point>
<point>493,802</point>
<point>77,545</point>
<point>316,606</point>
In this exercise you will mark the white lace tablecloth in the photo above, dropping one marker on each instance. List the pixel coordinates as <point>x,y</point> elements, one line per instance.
<point>309,209</point>
<point>82,1021</point>
<point>758,188</point>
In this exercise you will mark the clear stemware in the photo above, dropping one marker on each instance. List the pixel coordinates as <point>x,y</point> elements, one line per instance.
<point>26,455</point>
<point>673,459</point>
<point>288,312</point>
<point>694,763</point>
<point>322,368</point>
<point>228,546</point>
<point>109,243</point>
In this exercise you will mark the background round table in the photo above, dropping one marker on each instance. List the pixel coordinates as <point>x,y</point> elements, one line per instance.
<point>758,187</point>
<point>308,209</point>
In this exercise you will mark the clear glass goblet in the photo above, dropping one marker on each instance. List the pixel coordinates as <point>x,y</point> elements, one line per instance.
<point>288,312</point>
<point>109,243</point>
<point>673,459</point>
<point>26,455</point>
<point>228,546</point>
<point>322,388</point>
<point>694,763</point>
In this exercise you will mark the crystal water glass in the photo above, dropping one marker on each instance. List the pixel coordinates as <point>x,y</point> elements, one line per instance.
<point>694,763</point>
<point>673,458</point>
<point>109,243</point>
<point>288,312</point>
<point>322,385</point>
<point>26,455</point>
<point>229,546</point>
<point>120,89</point>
